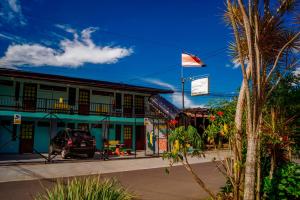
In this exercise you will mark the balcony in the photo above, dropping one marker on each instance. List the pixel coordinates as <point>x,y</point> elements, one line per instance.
<point>62,106</point>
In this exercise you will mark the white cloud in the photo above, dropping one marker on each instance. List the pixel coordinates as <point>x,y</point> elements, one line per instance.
<point>15,6</point>
<point>71,53</point>
<point>176,97</point>
<point>11,13</point>
<point>11,37</point>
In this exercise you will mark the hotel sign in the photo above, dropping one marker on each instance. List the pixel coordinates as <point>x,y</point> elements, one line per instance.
<point>199,86</point>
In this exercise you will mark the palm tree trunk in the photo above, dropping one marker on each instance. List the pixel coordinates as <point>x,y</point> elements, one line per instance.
<point>240,107</point>
<point>258,172</point>
<point>250,177</point>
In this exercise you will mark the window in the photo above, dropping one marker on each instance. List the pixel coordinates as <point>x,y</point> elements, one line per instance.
<point>128,101</point>
<point>84,96</point>
<point>17,91</point>
<point>6,82</point>
<point>127,132</point>
<point>139,104</point>
<point>118,101</point>
<point>29,91</point>
<point>27,131</point>
<point>72,96</point>
<point>83,126</point>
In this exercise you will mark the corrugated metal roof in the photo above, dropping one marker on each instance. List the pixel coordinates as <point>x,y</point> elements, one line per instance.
<point>80,81</point>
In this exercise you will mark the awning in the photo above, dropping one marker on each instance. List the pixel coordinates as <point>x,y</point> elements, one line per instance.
<point>88,118</point>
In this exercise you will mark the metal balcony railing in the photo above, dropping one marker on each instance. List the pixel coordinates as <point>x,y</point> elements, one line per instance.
<point>28,104</point>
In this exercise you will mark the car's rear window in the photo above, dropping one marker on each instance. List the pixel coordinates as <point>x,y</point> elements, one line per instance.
<point>80,133</point>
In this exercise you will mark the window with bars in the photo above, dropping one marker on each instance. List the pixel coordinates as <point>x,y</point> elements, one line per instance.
<point>29,91</point>
<point>139,104</point>
<point>84,97</point>
<point>128,101</point>
<point>83,126</point>
<point>127,132</point>
<point>27,131</point>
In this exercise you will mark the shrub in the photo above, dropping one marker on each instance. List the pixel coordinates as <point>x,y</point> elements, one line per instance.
<point>285,184</point>
<point>90,188</point>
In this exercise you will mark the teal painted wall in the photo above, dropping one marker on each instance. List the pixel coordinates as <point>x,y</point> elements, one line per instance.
<point>6,143</point>
<point>112,133</point>
<point>97,132</point>
<point>41,139</point>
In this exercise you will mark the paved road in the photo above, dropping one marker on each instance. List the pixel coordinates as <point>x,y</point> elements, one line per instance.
<point>58,170</point>
<point>147,184</point>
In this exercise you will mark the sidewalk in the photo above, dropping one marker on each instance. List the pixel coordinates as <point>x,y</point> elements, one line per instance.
<point>59,170</point>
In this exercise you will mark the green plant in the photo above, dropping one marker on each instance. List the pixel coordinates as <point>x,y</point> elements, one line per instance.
<point>285,184</point>
<point>186,142</point>
<point>221,126</point>
<point>90,188</point>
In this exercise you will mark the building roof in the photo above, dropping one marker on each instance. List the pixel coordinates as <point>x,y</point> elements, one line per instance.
<point>197,112</point>
<point>80,81</point>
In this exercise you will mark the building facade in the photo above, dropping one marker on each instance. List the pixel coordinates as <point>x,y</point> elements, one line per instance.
<point>48,103</point>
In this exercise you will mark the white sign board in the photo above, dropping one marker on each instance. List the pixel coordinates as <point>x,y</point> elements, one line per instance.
<point>17,119</point>
<point>199,86</point>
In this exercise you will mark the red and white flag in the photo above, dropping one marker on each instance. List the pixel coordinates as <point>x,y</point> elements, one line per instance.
<point>188,60</point>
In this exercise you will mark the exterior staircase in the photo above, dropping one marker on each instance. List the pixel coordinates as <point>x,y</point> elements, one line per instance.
<point>162,106</point>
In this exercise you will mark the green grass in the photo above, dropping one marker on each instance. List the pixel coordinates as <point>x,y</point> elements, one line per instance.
<point>89,188</point>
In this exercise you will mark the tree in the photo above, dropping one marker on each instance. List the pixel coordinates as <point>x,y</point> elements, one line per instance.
<point>186,142</point>
<point>264,46</point>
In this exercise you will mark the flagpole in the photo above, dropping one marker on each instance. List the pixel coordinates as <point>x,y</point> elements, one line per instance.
<point>182,88</point>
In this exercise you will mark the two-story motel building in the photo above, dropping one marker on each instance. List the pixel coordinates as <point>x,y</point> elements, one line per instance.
<point>55,102</point>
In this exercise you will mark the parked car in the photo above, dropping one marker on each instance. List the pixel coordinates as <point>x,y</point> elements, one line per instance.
<point>69,142</point>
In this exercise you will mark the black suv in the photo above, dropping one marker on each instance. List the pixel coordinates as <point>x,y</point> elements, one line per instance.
<point>69,142</point>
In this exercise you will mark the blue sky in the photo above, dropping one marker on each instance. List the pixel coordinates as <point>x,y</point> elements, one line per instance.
<point>129,41</point>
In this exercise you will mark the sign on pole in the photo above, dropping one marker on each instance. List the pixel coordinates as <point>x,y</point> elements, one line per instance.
<point>17,119</point>
<point>200,86</point>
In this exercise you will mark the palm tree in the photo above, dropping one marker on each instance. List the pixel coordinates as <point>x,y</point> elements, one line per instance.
<point>264,46</point>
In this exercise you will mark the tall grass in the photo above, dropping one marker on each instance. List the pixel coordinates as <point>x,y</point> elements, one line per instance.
<point>90,188</point>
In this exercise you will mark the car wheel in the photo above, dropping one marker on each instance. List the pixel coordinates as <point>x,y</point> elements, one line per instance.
<point>64,154</point>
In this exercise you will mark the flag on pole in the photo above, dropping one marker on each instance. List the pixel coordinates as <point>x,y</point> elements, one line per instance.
<point>188,60</point>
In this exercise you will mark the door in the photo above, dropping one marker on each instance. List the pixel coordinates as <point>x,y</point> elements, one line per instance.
<point>29,96</point>
<point>27,137</point>
<point>118,103</point>
<point>84,102</point>
<point>118,132</point>
<point>140,137</point>
<point>128,136</point>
